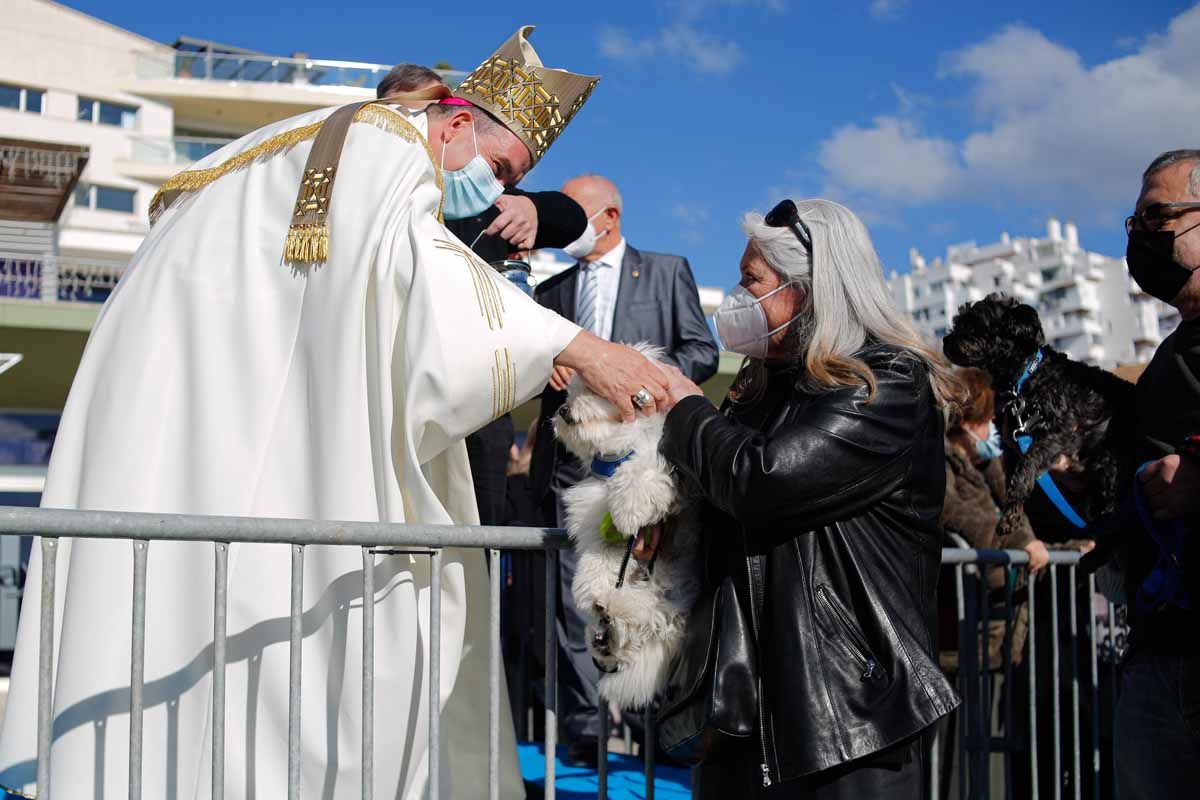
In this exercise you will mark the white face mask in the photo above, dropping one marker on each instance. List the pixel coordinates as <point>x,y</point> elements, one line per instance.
<point>585,244</point>
<point>742,323</point>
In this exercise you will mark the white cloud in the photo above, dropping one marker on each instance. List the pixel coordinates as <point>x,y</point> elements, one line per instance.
<point>888,9</point>
<point>695,219</point>
<point>701,51</point>
<point>1048,129</point>
<point>691,9</point>
<point>890,159</point>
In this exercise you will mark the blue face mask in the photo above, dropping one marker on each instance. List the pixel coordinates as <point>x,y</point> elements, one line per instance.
<point>989,448</point>
<point>471,190</point>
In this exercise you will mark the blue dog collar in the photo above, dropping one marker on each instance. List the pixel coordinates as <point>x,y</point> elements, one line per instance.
<point>1030,368</point>
<point>607,467</point>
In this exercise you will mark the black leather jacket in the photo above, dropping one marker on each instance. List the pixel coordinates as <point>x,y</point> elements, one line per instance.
<point>836,499</point>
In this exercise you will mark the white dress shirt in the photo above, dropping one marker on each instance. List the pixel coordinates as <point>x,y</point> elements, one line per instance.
<point>608,280</point>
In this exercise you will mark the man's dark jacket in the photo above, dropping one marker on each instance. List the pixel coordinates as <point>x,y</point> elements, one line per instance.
<point>838,498</point>
<point>560,222</point>
<point>1168,410</point>
<point>657,302</point>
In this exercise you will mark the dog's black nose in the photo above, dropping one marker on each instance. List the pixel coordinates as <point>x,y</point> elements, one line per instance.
<point>564,412</point>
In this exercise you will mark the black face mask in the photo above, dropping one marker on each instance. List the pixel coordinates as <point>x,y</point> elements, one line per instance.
<point>1151,258</point>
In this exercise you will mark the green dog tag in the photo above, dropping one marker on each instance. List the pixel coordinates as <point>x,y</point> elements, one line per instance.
<point>609,532</point>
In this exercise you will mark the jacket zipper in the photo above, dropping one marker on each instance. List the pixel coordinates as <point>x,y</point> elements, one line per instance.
<point>858,648</point>
<point>762,725</point>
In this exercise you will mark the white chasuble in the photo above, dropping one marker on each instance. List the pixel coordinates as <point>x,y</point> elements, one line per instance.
<point>219,380</point>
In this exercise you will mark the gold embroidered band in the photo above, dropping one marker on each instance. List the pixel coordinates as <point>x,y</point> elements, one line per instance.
<point>483,277</point>
<point>504,383</point>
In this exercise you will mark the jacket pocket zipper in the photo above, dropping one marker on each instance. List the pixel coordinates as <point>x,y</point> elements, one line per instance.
<point>851,637</point>
<point>762,725</point>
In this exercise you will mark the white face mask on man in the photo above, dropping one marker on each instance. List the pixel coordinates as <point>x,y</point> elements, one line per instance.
<point>742,322</point>
<point>586,243</point>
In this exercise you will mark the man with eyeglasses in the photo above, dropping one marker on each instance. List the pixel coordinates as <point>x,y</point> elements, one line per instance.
<point>1157,739</point>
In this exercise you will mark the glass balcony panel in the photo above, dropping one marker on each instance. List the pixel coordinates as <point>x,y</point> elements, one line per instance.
<point>199,65</point>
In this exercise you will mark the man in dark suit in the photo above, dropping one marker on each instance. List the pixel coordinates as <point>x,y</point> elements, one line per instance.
<point>623,295</point>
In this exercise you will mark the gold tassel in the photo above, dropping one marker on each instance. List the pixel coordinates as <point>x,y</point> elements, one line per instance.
<point>307,244</point>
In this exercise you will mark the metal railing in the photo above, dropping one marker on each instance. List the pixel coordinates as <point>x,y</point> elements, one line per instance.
<point>975,606</point>
<point>143,529</point>
<point>57,279</point>
<point>307,72</point>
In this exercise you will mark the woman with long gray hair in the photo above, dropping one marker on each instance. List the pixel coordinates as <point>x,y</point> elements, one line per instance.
<point>824,474</point>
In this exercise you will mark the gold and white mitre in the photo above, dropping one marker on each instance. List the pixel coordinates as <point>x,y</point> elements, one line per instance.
<point>533,101</point>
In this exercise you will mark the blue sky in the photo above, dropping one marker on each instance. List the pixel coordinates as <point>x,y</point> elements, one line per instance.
<point>935,123</point>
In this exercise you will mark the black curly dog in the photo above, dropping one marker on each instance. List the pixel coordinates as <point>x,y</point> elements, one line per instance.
<point>1069,408</point>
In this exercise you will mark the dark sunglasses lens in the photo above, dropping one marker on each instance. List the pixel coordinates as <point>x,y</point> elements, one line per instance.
<point>782,215</point>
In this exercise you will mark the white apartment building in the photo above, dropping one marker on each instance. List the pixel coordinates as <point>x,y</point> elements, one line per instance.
<point>1089,306</point>
<point>144,109</point>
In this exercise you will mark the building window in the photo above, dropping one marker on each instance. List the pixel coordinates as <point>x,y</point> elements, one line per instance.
<point>939,333</point>
<point>103,112</point>
<point>21,98</point>
<point>1049,274</point>
<point>104,198</point>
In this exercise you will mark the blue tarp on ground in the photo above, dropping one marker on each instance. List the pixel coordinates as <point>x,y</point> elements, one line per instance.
<point>625,779</point>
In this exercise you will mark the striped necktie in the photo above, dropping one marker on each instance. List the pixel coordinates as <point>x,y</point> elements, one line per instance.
<point>585,311</point>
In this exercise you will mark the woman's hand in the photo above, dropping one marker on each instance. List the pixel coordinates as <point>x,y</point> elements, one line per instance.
<point>1039,556</point>
<point>560,378</point>
<point>650,540</point>
<point>616,373</point>
<point>679,385</point>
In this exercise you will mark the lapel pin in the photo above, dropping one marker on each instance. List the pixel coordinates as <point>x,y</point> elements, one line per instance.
<point>636,273</point>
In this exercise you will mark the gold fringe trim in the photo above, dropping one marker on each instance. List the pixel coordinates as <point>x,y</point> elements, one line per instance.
<point>306,243</point>
<point>379,116</point>
<point>194,180</point>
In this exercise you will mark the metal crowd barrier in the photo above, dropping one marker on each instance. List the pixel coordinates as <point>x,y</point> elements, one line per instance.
<point>143,529</point>
<point>976,681</point>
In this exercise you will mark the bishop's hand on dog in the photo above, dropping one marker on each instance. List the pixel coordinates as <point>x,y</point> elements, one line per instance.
<point>616,373</point>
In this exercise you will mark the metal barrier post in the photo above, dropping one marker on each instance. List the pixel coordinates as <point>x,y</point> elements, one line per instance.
<point>1091,584</point>
<point>935,763</point>
<point>494,678</point>
<point>220,623</point>
<point>649,749</point>
<point>46,666</point>
<point>1055,681</point>
<point>435,673</point>
<point>295,647</point>
<point>602,751</point>
<point>1075,723</point>
<point>551,734</point>
<point>368,675</point>
<point>964,711</point>
<point>1031,638</point>
<point>137,669</point>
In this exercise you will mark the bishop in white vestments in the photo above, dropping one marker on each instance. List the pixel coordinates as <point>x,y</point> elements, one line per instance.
<point>299,336</point>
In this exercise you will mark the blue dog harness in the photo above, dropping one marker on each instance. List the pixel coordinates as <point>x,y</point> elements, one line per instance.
<point>1024,441</point>
<point>607,467</point>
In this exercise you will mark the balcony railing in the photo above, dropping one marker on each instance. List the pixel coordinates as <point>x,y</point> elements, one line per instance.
<point>306,72</point>
<point>175,149</point>
<point>57,279</point>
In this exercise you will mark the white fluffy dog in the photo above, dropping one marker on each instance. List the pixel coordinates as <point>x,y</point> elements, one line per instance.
<point>638,610</point>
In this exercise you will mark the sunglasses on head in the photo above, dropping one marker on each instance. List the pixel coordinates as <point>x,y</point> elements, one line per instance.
<point>786,215</point>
